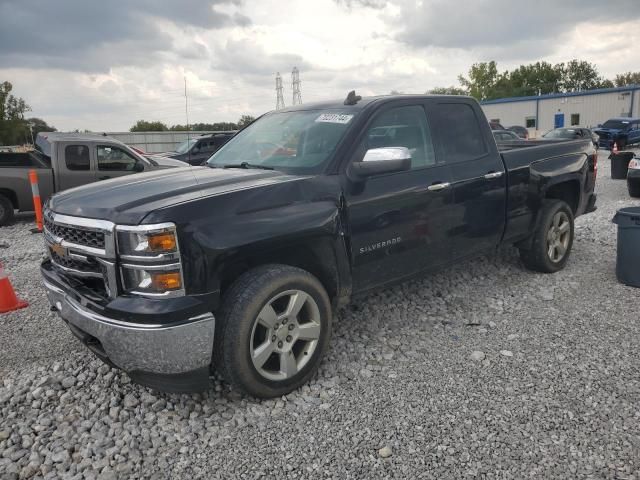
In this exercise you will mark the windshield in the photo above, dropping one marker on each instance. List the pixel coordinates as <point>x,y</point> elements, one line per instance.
<point>616,124</point>
<point>300,142</point>
<point>186,145</point>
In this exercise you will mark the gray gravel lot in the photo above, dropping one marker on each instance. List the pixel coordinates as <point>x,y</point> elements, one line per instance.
<point>483,371</point>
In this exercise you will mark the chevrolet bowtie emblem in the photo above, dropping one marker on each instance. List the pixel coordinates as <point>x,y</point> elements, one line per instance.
<point>58,249</point>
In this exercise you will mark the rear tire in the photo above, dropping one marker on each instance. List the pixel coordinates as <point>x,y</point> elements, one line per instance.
<point>272,331</point>
<point>6,211</point>
<point>634,188</point>
<point>552,239</point>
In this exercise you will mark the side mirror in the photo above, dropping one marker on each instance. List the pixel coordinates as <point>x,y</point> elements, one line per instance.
<point>378,161</point>
<point>138,167</point>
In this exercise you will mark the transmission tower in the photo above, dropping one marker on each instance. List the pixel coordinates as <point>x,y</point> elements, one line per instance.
<point>279,96</point>
<point>295,87</point>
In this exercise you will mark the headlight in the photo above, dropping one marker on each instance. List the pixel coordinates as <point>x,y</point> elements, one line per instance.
<point>634,164</point>
<point>150,260</point>
<point>152,280</point>
<point>147,240</point>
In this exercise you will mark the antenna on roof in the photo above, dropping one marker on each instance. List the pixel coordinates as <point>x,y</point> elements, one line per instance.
<point>186,112</point>
<point>352,98</point>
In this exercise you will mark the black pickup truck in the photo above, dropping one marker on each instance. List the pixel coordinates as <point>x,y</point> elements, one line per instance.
<point>239,265</point>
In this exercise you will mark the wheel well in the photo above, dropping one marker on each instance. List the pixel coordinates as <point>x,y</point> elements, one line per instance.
<point>318,260</point>
<point>11,195</point>
<point>568,192</point>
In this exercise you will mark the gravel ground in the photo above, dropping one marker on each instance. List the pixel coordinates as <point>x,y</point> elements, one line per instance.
<point>484,371</point>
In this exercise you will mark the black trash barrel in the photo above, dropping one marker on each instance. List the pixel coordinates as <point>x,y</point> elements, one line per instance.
<point>628,258</point>
<point>620,164</point>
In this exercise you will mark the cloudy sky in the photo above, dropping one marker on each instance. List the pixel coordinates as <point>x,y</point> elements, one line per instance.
<point>102,65</point>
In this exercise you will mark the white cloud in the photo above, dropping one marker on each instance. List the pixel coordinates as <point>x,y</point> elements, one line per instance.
<point>132,64</point>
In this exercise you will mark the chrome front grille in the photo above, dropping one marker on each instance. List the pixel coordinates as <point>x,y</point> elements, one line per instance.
<point>82,248</point>
<point>79,236</point>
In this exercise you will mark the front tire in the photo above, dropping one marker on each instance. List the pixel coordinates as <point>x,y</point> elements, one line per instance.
<point>272,331</point>
<point>6,211</point>
<point>552,239</point>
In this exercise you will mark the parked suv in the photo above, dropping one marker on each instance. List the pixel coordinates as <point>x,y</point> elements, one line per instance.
<point>196,151</point>
<point>622,131</point>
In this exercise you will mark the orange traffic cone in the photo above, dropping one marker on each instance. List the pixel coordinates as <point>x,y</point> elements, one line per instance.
<point>615,147</point>
<point>8,299</point>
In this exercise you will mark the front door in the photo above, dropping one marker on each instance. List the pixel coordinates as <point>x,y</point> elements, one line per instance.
<point>558,120</point>
<point>114,161</point>
<point>399,224</point>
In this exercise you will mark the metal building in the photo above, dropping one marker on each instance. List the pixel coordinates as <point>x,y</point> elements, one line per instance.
<point>545,112</point>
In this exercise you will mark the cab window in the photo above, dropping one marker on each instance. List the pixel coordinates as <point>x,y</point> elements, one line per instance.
<point>115,159</point>
<point>76,157</point>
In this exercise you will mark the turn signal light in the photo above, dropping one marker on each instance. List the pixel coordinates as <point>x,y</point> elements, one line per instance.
<point>166,281</point>
<point>162,242</point>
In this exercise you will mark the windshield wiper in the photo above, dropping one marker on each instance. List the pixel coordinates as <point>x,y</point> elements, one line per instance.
<point>247,165</point>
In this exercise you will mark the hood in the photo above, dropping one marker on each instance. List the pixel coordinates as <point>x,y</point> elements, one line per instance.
<point>127,200</point>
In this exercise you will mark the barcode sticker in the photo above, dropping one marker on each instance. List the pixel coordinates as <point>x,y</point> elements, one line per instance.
<point>334,118</point>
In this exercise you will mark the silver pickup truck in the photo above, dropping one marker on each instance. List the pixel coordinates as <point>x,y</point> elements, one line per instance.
<point>67,160</point>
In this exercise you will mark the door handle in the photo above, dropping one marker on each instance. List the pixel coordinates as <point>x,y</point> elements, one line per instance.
<point>438,186</point>
<point>491,175</point>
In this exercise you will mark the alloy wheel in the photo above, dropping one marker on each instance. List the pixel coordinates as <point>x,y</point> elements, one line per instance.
<point>558,237</point>
<point>285,335</point>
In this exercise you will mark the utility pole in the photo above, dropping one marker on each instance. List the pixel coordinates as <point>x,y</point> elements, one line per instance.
<point>295,87</point>
<point>279,96</point>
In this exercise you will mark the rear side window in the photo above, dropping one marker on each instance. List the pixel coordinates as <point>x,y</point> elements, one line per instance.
<point>76,157</point>
<point>459,132</point>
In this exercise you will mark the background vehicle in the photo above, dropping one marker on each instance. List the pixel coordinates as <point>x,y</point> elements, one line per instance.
<point>302,209</point>
<point>197,150</point>
<point>522,132</point>
<point>633,177</point>
<point>571,133</point>
<point>505,136</point>
<point>622,130</point>
<point>64,161</point>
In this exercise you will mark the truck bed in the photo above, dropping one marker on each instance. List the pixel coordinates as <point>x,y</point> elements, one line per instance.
<point>23,160</point>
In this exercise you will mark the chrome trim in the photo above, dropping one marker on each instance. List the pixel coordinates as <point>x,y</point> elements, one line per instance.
<point>89,223</point>
<point>161,257</point>
<point>168,266</point>
<point>438,186</point>
<point>77,273</point>
<point>153,348</point>
<point>152,228</point>
<point>80,258</point>
<point>491,175</point>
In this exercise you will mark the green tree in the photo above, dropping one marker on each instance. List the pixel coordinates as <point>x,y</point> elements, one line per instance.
<point>38,125</point>
<point>482,81</point>
<point>579,75</point>
<point>144,126</point>
<point>447,91</point>
<point>628,78</point>
<point>245,120</point>
<point>533,79</point>
<point>13,127</point>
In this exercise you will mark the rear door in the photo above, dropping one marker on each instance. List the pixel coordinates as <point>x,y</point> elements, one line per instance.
<point>399,222</point>
<point>634,132</point>
<point>75,162</point>
<point>477,212</point>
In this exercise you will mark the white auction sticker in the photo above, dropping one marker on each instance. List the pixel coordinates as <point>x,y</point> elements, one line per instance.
<point>334,118</point>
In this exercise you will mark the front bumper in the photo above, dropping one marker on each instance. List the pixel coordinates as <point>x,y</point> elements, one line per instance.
<point>172,356</point>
